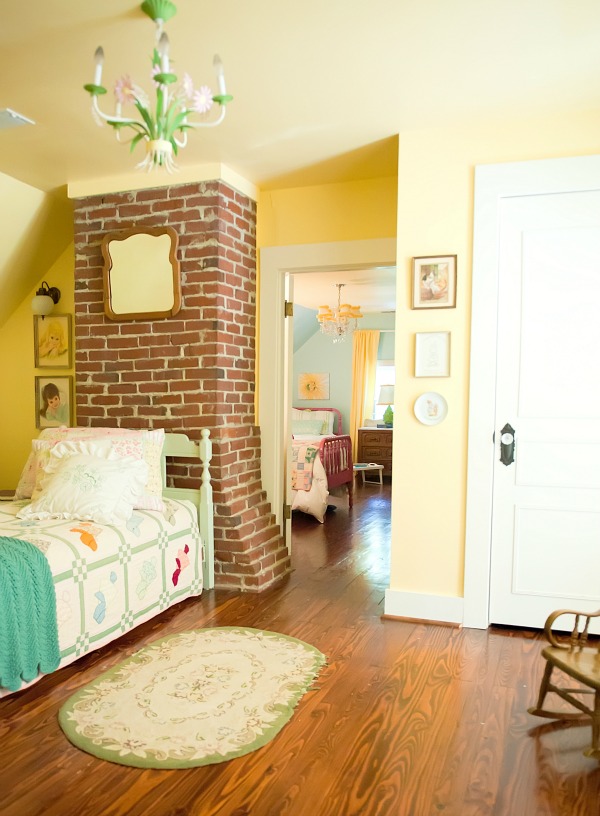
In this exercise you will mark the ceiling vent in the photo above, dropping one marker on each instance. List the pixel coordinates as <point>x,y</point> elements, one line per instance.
<point>10,119</point>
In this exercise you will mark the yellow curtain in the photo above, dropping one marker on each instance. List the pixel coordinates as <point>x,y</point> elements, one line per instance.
<point>364,367</point>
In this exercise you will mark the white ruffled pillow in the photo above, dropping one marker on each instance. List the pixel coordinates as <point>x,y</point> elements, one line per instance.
<point>139,444</point>
<point>87,482</point>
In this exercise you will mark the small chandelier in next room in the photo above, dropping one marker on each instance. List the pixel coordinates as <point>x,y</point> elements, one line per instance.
<point>161,127</point>
<point>338,322</point>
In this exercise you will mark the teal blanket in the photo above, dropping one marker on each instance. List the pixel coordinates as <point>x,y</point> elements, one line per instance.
<point>28,628</point>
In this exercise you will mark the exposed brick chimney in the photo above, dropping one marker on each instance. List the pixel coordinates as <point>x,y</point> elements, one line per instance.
<point>194,370</point>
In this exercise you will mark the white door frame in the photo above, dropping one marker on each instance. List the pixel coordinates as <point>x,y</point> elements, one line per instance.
<point>492,184</point>
<point>275,264</point>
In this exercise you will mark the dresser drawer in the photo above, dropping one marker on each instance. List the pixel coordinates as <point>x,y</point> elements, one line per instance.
<point>382,438</point>
<point>375,445</point>
<point>373,453</point>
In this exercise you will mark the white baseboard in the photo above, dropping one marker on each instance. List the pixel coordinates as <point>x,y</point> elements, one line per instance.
<point>445,609</point>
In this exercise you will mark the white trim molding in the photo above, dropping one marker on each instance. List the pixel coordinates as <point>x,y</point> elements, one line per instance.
<point>432,608</point>
<point>275,264</point>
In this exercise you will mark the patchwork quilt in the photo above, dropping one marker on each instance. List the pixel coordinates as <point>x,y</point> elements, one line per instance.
<point>109,579</point>
<point>303,458</point>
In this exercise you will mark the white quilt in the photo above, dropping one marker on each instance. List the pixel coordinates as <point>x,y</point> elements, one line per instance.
<point>110,579</point>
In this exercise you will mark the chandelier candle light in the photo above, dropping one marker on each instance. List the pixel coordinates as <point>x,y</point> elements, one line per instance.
<point>161,127</point>
<point>341,321</point>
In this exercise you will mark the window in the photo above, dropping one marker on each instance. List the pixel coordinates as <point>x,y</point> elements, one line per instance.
<point>385,375</point>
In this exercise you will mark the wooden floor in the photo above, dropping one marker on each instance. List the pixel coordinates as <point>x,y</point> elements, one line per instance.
<point>407,719</point>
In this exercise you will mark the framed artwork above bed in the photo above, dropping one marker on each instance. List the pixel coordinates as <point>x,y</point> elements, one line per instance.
<point>313,386</point>
<point>53,402</point>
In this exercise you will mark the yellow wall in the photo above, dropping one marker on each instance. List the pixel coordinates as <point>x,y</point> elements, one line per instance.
<point>17,407</point>
<point>331,212</point>
<point>435,216</point>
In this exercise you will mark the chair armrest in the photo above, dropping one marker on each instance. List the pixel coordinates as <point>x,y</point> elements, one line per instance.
<point>578,632</point>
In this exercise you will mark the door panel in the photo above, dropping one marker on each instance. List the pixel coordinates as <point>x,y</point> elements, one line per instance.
<point>546,505</point>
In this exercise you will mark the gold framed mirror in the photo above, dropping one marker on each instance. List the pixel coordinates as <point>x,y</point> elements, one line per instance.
<point>141,274</point>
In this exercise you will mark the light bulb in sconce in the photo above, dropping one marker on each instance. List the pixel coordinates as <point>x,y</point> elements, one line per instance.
<point>45,300</point>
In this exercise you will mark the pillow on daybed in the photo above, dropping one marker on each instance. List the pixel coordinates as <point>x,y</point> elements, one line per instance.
<point>327,418</point>
<point>139,444</point>
<point>86,481</point>
<point>307,426</point>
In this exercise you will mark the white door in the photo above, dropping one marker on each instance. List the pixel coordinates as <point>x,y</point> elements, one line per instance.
<point>546,503</point>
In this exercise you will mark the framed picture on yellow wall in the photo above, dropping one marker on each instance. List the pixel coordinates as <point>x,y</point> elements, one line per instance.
<point>53,401</point>
<point>434,282</point>
<point>52,341</point>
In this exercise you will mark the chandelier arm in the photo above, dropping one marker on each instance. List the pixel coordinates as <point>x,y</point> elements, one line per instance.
<point>183,141</point>
<point>214,123</point>
<point>111,118</point>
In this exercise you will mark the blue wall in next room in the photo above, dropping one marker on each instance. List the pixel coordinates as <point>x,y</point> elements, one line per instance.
<point>320,355</point>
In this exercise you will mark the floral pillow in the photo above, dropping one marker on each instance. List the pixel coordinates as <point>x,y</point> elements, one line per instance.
<point>87,487</point>
<point>146,445</point>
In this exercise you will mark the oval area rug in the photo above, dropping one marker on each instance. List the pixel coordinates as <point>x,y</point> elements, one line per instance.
<point>193,698</point>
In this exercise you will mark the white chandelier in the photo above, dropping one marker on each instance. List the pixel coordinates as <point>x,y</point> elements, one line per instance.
<point>164,129</point>
<point>338,322</point>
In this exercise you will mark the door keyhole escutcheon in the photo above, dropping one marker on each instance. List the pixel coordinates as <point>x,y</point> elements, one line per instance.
<point>507,445</point>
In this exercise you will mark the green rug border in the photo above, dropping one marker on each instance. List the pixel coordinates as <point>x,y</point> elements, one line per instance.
<point>285,711</point>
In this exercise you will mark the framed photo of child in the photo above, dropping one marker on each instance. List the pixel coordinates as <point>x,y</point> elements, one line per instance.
<point>52,341</point>
<point>53,402</point>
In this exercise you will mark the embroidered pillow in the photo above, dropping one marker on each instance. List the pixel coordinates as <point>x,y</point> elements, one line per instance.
<point>140,444</point>
<point>84,487</point>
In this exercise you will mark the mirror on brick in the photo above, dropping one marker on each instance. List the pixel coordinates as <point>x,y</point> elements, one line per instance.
<point>141,274</point>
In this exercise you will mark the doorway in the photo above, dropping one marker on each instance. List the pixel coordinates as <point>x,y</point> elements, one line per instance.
<point>275,388</point>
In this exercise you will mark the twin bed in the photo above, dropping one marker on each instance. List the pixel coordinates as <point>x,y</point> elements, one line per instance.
<point>321,459</point>
<point>93,517</point>
<point>108,577</point>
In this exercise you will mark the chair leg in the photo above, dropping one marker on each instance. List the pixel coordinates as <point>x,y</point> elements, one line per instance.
<point>594,750</point>
<point>545,687</point>
<point>538,710</point>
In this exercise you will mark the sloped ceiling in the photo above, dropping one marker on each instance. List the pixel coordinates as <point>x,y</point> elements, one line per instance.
<point>35,229</point>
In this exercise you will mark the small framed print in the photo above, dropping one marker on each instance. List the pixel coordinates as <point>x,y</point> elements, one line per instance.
<point>52,341</point>
<point>434,282</point>
<point>313,386</point>
<point>432,354</point>
<point>53,402</point>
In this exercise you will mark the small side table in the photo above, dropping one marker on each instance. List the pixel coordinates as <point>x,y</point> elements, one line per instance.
<point>364,467</point>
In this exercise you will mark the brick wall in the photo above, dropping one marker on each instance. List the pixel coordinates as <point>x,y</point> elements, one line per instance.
<point>194,370</point>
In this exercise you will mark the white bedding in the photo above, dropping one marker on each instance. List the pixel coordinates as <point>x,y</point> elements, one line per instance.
<point>110,579</point>
<point>313,501</point>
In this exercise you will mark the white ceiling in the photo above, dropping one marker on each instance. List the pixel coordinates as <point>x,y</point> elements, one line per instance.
<point>374,290</point>
<point>321,88</point>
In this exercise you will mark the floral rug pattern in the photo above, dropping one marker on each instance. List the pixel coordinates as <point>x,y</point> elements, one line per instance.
<point>194,698</point>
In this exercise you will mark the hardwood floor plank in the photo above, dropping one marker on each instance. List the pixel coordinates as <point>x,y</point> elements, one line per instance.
<point>406,718</point>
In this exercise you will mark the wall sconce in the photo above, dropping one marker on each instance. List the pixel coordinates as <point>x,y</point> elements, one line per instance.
<point>45,300</point>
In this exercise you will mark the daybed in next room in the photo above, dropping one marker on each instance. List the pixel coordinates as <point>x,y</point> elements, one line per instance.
<point>321,459</point>
<point>121,547</point>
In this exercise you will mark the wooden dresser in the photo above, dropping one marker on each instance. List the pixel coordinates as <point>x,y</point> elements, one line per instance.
<point>375,445</point>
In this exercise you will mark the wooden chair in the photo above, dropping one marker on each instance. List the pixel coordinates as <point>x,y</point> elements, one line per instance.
<point>579,660</point>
